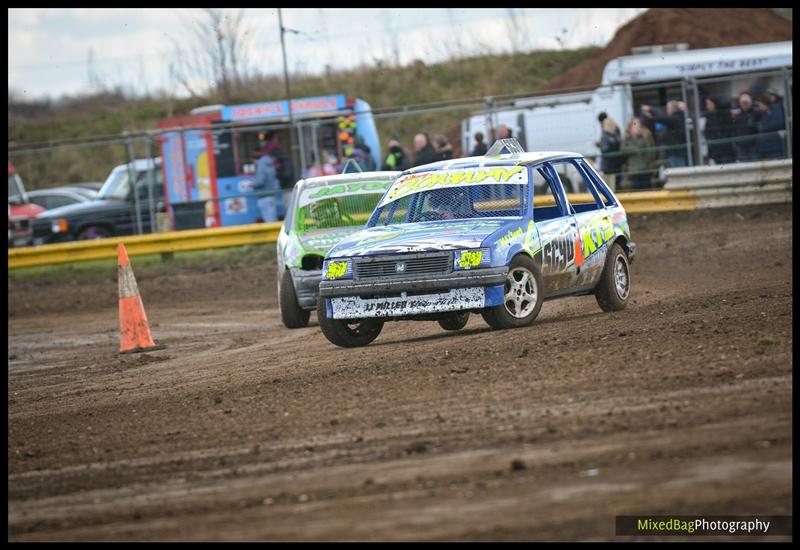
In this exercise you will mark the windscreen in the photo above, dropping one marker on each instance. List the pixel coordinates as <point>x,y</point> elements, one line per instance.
<point>341,205</point>
<point>489,192</point>
<point>15,195</point>
<point>117,186</point>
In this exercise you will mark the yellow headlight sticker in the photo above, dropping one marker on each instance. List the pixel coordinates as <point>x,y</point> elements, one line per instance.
<point>424,181</point>
<point>336,270</point>
<point>470,258</point>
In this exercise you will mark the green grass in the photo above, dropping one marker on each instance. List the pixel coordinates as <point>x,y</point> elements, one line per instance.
<point>381,86</point>
<point>767,340</point>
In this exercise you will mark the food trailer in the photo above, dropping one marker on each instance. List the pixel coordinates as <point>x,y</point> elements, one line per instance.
<point>208,157</point>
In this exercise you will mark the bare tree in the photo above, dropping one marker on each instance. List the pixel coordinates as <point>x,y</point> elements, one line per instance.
<point>216,53</point>
<point>95,80</point>
<point>391,36</point>
<point>517,30</point>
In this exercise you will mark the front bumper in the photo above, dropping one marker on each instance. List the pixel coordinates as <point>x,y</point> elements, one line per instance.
<point>390,285</point>
<point>306,287</point>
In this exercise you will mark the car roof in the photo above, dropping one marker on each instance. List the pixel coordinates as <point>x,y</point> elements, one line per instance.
<point>526,158</point>
<point>141,164</point>
<point>353,177</point>
<point>55,191</point>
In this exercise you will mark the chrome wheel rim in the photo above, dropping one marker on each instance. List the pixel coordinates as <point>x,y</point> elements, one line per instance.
<point>621,278</point>
<point>520,292</point>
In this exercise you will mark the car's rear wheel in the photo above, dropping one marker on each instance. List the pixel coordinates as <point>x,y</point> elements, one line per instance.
<point>94,232</point>
<point>523,296</point>
<point>292,315</point>
<point>454,321</point>
<point>347,333</point>
<point>614,287</point>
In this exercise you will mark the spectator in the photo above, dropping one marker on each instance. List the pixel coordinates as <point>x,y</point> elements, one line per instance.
<point>363,154</point>
<point>397,158</point>
<point>675,134</point>
<point>443,148</point>
<point>480,147</point>
<point>503,132</point>
<point>745,123</point>
<point>719,126</point>
<point>647,121</point>
<point>640,154</point>
<point>609,144</point>
<point>772,121</point>
<point>266,181</point>
<point>317,168</point>
<point>423,151</point>
<point>284,168</point>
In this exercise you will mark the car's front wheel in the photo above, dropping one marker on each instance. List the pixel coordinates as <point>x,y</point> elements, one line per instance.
<point>522,296</point>
<point>454,321</point>
<point>292,315</point>
<point>94,232</point>
<point>347,333</point>
<point>614,288</point>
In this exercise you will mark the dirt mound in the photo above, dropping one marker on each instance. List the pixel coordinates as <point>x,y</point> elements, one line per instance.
<point>698,27</point>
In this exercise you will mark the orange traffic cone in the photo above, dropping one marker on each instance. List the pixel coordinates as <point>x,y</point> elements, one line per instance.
<point>134,331</point>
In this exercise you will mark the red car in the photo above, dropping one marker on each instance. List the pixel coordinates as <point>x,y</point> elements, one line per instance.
<point>20,211</point>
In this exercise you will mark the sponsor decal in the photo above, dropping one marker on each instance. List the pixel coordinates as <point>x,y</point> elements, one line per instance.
<point>425,181</point>
<point>594,234</point>
<point>343,189</point>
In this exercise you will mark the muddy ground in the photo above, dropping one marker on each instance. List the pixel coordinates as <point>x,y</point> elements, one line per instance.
<point>243,430</point>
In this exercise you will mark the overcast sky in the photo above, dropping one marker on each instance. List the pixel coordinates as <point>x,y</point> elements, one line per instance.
<point>49,49</point>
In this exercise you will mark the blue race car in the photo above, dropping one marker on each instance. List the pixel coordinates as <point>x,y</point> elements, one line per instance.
<point>495,235</point>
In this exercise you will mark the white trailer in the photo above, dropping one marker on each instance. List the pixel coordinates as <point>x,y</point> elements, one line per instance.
<point>568,121</point>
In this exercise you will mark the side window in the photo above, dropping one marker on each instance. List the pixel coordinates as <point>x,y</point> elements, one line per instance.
<point>143,181</point>
<point>54,201</point>
<point>547,202</point>
<point>583,195</point>
<point>606,197</point>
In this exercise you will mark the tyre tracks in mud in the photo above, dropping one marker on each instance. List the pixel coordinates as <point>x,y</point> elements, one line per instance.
<point>242,430</point>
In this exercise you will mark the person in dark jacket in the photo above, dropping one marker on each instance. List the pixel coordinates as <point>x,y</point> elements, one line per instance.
<point>480,147</point>
<point>396,158</point>
<point>675,135</point>
<point>719,127</point>
<point>443,148</point>
<point>769,142</point>
<point>610,144</point>
<point>746,129</point>
<point>423,150</point>
<point>363,155</point>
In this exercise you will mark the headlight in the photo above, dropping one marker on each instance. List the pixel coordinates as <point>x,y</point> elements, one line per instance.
<point>59,226</point>
<point>474,258</point>
<point>337,269</point>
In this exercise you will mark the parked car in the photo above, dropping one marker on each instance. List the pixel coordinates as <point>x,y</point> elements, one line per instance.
<point>60,196</point>
<point>113,212</point>
<point>471,235</point>
<point>321,212</point>
<point>91,185</point>
<point>20,211</point>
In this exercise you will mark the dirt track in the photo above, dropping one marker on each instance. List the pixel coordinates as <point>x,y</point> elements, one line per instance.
<point>243,430</point>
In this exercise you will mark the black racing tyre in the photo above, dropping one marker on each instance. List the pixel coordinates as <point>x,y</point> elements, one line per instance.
<point>614,287</point>
<point>347,333</point>
<point>524,294</point>
<point>93,232</point>
<point>454,321</point>
<point>292,315</point>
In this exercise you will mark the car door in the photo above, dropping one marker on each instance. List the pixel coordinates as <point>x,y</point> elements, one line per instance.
<point>557,231</point>
<point>592,220</point>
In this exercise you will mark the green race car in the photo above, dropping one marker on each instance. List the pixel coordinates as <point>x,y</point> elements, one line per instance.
<point>322,211</point>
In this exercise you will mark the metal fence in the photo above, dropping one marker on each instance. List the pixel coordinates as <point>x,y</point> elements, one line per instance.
<point>692,145</point>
